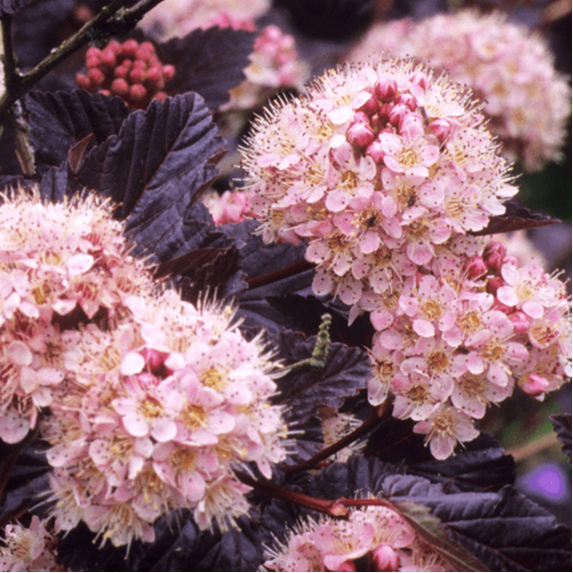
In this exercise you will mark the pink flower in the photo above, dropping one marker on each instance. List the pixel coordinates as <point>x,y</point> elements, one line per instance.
<point>444,428</point>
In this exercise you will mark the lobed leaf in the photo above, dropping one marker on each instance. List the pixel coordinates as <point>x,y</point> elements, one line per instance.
<point>58,121</point>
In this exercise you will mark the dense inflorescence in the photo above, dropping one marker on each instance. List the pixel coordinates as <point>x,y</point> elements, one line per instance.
<point>383,170</point>
<point>179,17</point>
<point>377,533</point>
<point>29,549</point>
<point>130,70</point>
<point>465,336</point>
<point>375,167</point>
<point>505,64</point>
<point>148,403</point>
<point>161,409</point>
<point>62,265</point>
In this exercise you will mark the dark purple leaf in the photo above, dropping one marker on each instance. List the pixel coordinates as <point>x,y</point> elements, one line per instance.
<point>504,530</point>
<point>514,219</point>
<point>562,425</point>
<point>60,121</point>
<point>154,169</point>
<point>346,373</point>
<point>12,6</point>
<point>209,62</point>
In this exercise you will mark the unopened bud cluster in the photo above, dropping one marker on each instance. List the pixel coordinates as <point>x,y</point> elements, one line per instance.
<point>148,403</point>
<point>28,548</point>
<point>275,65</point>
<point>505,64</point>
<point>375,533</point>
<point>130,70</point>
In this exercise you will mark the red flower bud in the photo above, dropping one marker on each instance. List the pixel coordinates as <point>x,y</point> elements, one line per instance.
<point>119,87</point>
<point>360,134</point>
<point>441,129</point>
<point>385,89</point>
<point>397,113</point>
<point>475,267</point>
<point>137,92</point>
<point>96,77</point>
<point>494,255</point>
<point>168,72</point>
<point>137,75</point>
<point>83,82</point>
<point>129,48</point>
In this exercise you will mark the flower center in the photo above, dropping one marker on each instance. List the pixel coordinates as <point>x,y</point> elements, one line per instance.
<point>194,416</point>
<point>408,158</point>
<point>431,309</point>
<point>213,378</point>
<point>182,459</point>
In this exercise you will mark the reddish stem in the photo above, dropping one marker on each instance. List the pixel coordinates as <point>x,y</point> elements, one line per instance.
<point>378,414</point>
<point>283,273</point>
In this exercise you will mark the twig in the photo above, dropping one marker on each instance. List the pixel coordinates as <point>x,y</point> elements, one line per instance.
<point>377,415</point>
<point>332,507</point>
<point>113,18</point>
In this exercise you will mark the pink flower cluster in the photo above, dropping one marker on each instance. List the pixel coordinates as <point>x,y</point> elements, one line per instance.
<point>453,340</point>
<point>60,265</point>
<point>179,17</point>
<point>129,70</point>
<point>148,403</point>
<point>158,413</point>
<point>505,64</point>
<point>230,207</point>
<point>28,549</point>
<point>375,167</point>
<point>375,532</point>
<point>274,65</point>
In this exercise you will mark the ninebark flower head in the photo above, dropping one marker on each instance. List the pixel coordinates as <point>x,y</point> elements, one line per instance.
<point>505,64</point>
<point>466,332</point>
<point>375,532</point>
<point>374,159</point>
<point>158,418</point>
<point>28,548</point>
<point>61,265</point>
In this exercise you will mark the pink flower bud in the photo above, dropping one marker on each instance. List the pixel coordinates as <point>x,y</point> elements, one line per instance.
<point>168,72</point>
<point>114,47</point>
<point>441,129</point>
<point>385,89</point>
<point>475,267</point>
<point>408,100</point>
<point>509,260</point>
<point>93,62</point>
<point>137,92</point>
<point>108,58</point>
<point>127,63</point>
<point>346,566</point>
<point>360,134</point>
<point>385,558</point>
<point>376,151</point>
<point>361,117</point>
<point>371,106</point>
<point>154,359</point>
<point>119,87</point>
<point>96,77</point>
<point>137,75</point>
<point>155,78</point>
<point>412,126</point>
<point>160,96</point>
<point>384,111</point>
<point>494,255</point>
<point>120,72</point>
<point>397,113</point>
<point>502,307</point>
<point>129,48</point>
<point>521,322</point>
<point>493,284</point>
<point>533,384</point>
<point>83,82</point>
<point>93,52</point>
